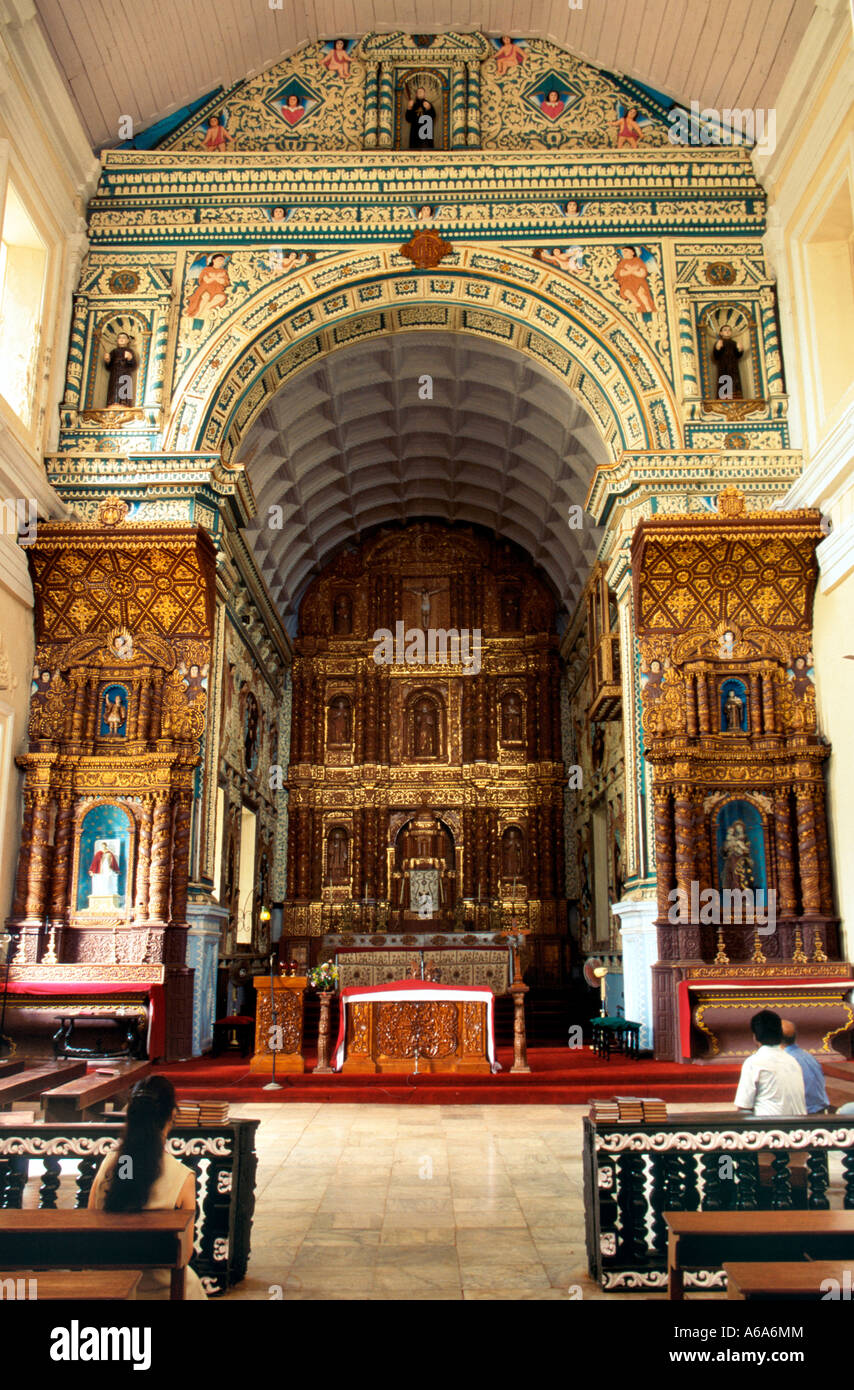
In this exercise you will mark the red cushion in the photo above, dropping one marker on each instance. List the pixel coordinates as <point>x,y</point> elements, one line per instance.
<point>232,1020</point>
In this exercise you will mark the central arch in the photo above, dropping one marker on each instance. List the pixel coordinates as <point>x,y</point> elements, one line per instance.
<point>558,321</point>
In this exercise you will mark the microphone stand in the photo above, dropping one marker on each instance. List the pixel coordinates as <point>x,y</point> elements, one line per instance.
<point>273,1084</point>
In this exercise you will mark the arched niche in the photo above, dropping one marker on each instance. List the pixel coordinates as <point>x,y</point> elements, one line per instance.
<point>105,339</point>
<point>105,843</point>
<point>339,721</point>
<point>741,851</point>
<point>733,706</point>
<point>424,727</point>
<point>436,86</point>
<point>114,711</point>
<point>337,865</point>
<point>512,712</point>
<point>513,855</point>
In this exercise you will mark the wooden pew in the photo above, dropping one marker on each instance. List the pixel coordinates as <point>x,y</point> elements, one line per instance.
<point>10,1065</point>
<point>77,1285</point>
<point>84,1097</point>
<point>33,1080</point>
<point>95,1240</point>
<point>800,1279</point>
<point>704,1239</point>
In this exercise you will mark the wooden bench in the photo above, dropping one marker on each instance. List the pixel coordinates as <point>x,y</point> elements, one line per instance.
<point>800,1279</point>
<point>705,1239</point>
<point>77,1285</point>
<point>10,1065</point>
<point>95,1240</point>
<point>33,1080</point>
<point>84,1097</point>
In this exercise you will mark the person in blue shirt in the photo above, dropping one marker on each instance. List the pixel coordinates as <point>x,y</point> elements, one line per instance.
<point>814,1088</point>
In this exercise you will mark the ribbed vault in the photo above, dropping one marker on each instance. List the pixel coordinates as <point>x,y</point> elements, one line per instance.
<point>350,444</point>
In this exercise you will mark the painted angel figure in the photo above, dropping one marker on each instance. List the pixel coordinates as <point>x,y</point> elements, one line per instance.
<point>568,260</point>
<point>629,128</point>
<point>509,55</point>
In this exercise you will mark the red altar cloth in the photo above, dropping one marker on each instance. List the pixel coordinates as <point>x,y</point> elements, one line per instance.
<point>412,991</point>
<point>685,987</point>
<point>156,1039</point>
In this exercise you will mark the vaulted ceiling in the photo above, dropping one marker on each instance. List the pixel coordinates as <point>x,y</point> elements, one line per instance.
<point>349,445</point>
<point>148,58</point>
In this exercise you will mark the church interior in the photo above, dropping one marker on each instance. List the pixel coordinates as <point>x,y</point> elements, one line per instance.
<point>427,493</point>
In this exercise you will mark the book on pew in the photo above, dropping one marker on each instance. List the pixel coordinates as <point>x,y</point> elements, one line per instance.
<point>626,1110</point>
<point>201,1112</point>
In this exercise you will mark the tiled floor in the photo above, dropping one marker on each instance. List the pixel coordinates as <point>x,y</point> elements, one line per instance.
<point>419,1202</point>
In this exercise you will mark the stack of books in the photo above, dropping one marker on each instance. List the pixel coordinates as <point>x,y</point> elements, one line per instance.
<point>213,1112</point>
<point>628,1110</point>
<point>187,1113</point>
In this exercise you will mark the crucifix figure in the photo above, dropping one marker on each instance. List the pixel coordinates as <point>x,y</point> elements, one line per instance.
<point>425,596</point>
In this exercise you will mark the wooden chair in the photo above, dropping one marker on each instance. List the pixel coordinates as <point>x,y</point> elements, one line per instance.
<point>704,1239</point>
<point>98,1240</point>
<point>84,1097</point>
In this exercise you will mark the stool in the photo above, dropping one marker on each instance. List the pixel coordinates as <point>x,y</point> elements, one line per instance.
<point>233,1034</point>
<point>617,1035</point>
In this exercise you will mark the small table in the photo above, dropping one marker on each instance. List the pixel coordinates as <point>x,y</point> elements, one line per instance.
<point>128,1025</point>
<point>615,1035</point>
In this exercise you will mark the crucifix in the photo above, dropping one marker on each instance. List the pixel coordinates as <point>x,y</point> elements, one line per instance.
<point>425,596</point>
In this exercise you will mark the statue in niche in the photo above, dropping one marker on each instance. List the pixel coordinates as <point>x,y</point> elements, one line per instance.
<point>509,610</point>
<point>104,869</point>
<point>425,596</point>
<point>737,858</point>
<point>251,722</point>
<point>799,674</point>
<point>511,719</point>
<point>115,713</point>
<point>726,355</point>
<point>421,116</point>
<point>339,725</point>
<point>342,616</point>
<point>512,853</point>
<point>338,855</point>
<point>426,733</point>
<point>121,364</point>
<point>733,711</point>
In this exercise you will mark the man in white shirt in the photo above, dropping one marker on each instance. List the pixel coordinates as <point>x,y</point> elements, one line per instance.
<point>771,1082</point>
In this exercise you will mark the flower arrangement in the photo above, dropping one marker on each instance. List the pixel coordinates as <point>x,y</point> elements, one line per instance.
<point>324,976</point>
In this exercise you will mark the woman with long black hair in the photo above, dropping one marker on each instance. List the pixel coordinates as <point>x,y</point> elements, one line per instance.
<point>141,1175</point>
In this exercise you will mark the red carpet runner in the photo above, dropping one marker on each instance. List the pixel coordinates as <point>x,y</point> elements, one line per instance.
<point>559,1076</point>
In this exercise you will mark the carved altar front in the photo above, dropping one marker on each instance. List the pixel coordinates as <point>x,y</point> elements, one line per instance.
<point>426,775</point>
<point>724,615</point>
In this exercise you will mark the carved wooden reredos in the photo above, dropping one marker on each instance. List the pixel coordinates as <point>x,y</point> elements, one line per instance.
<point>123,618</point>
<point>464,728</point>
<point>723,606</point>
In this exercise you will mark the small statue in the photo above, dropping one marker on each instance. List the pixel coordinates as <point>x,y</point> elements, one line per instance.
<point>733,706</point>
<point>726,354</point>
<point>459,915</point>
<point>121,363</point>
<point>115,714</point>
<point>511,719</point>
<point>342,616</point>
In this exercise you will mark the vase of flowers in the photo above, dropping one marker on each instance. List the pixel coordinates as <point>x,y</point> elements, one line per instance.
<point>323,978</point>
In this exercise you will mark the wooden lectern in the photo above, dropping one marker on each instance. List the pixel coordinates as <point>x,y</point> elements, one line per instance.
<point>289,991</point>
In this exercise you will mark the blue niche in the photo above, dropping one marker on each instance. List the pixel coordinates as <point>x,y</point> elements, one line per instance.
<point>741,847</point>
<point>105,833</point>
<point>733,707</point>
<point>115,704</point>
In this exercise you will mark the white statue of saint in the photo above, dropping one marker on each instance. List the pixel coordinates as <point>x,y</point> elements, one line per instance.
<point>424,902</point>
<point>104,870</point>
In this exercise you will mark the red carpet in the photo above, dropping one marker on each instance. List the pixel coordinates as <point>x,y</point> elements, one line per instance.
<point>559,1076</point>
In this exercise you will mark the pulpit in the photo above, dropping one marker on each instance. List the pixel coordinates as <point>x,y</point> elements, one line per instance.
<point>289,992</point>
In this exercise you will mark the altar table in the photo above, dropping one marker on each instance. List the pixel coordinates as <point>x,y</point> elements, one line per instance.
<point>382,1026</point>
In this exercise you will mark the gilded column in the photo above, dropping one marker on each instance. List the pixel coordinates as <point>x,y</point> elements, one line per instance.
<point>825,873</point>
<point>755,702</point>
<point>683,821</point>
<point>91,709</point>
<point>473,74</point>
<point>144,710</point>
<point>808,853</point>
<point>143,862</point>
<point>771,344</point>
<point>385,105</point>
<point>458,107</point>
<point>319,731</point>
<point>768,712</point>
<point>382,840</point>
<point>22,874</point>
<point>78,713</point>
<point>180,860</point>
<point>480,744</point>
<point>359,716</point>
<point>663,850</point>
<point>370,126</point>
<point>691,705</point>
<point>703,714</point>
<point>39,858</point>
<point>547,887</point>
<point>158,892</point>
<point>61,866</point>
<point>703,847</point>
<point>786,902</point>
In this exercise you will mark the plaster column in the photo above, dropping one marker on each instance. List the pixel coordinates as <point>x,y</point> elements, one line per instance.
<point>458,107</point>
<point>371,94</point>
<point>385,114</point>
<point>73,396</point>
<point>473,74</point>
<point>687,351</point>
<point>640,952</point>
<point>771,343</point>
